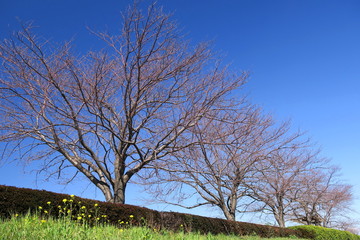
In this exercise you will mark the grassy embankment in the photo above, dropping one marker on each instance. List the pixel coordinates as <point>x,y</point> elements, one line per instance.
<point>33,227</point>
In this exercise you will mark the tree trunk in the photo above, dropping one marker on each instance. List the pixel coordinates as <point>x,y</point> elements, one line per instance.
<point>229,215</point>
<point>280,219</point>
<point>119,193</point>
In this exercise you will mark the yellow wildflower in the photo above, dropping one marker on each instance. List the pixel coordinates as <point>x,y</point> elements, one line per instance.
<point>131,216</point>
<point>43,221</point>
<point>48,203</point>
<point>95,205</point>
<point>64,200</point>
<point>40,207</point>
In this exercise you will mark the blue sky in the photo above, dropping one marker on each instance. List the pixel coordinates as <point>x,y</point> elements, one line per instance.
<point>303,56</point>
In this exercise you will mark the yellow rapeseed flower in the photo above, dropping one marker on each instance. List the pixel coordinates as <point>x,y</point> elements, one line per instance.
<point>83,207</point>
<point>72,196</point>
<point>43,221</point>
<point>95,205</point>
<point>40,207</point>
<point>46,212</point>
<point>79,218</point>
<point>64,200</point>
<point>121,230</point>
<point>48,203</point>
<point>131,216</point>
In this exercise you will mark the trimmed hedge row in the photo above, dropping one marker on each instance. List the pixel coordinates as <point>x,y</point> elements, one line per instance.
<point>321,233</point>
<point>21,200</point>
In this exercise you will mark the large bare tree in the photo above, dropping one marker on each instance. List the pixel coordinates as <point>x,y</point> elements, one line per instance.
<point>108,114</point>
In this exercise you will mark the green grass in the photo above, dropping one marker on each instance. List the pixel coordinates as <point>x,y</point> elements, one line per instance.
<point>32,227</point>
<point>321,233</point>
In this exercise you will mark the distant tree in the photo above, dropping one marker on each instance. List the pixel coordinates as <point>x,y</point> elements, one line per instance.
<point>218,168</point>
<point>108,114</point>
<point>278,182</point>
<point>323,200</point>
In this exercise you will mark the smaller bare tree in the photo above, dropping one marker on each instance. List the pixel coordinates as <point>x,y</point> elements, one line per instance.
<point>323,199</point>
<point>216,169</point>
<point>278,181</point>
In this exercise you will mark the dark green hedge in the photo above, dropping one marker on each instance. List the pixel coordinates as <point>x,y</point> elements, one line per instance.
<point>21,200</point>
<point>321,233</point>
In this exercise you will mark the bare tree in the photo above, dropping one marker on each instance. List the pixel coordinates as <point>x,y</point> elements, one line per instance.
<point>323,200</point>
<point>217,168</point>
<point>277,183</point>
<point>108,114</point>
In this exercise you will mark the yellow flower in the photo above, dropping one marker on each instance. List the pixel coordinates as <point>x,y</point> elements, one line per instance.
<point>72,196</point>
<point>64,200</point>
<point>46,211</point>
<point>59,206</point>
<point>121,230</point>
<point>43,221</point>
<point>48,203</point>
<point>16,215</point>
<point>131,216</point>
<point>95,205</point>
<point>71,200</point>
<point>40,207</point>
<point>79,218</point>
<point>83,207</point>
<point>97,219</point>
<point>89,216</point>
<point>104,216</point>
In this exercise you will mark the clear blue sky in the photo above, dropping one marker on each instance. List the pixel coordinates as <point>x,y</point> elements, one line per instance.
<point>304,59</point>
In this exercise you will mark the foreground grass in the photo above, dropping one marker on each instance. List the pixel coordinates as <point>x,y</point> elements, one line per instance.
<point>32,227</point>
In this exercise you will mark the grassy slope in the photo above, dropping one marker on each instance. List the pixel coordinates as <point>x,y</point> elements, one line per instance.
<point>33,228</point>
